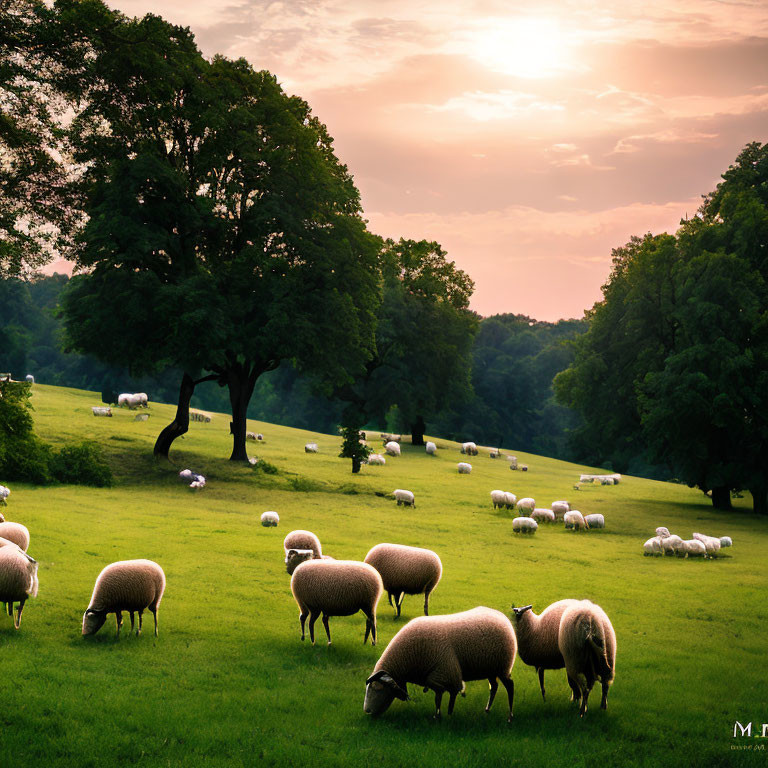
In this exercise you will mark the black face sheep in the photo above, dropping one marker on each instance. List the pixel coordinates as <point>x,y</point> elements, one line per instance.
<point>303,540</point>
<point>441,653</point>
<point>588,644</point>
<point>128,585</point>
<point>336,588</point>
<point>17,533</point>
<point>18,579</point>
<point>406,571</point>
<point>537,637</point>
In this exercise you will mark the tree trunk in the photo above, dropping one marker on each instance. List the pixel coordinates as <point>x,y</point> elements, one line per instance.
<point>180,423</point>
<point>417,431</point>
<point>721,497</point>
<point>355,465</point>
<point>241,381</point>
<point>759,499</point>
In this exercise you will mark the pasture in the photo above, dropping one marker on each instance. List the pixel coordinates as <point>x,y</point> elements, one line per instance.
<point>228,682</point>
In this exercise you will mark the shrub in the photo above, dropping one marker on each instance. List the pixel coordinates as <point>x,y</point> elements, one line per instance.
<point>264,466</point>
<point>81,464</point>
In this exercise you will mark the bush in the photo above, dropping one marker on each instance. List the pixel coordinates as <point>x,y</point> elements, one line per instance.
<point>81,464</point>
<point>26,460</point>
<point>264,466</point>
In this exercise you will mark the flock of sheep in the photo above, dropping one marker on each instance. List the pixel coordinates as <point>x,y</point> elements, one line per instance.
<point>701,545</point>
<point>442,653</point>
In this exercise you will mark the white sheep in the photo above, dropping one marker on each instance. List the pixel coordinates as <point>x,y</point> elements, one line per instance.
<point>662,532</point>
<point>5,492</point>
<point>726,541</point>
<point>404,497</point>
<point>143,399</point>
<point>18,578</point>
<point>270,519</point>
<point>15,532</point>
<point>376,459</point>
<point>498,499</point>
<point>653,547</point>
<point>574,520</point>
<point>310,448</point>
<point>431,448</point>
<point>494,453</point>
<point>123,399</point>
<point>442,653</point>
<point>29,378</point>
<point>560,508</point>
<point>523,467</point>
<point>464,468</point>
<point>595,521</point>
<point>250,436</point>
<point>511,500</point>
<point>543,515</point>
<point>711,543</point>
<point>392,448</point>
<point>469,448</point>
<point>670,543</point>
<point>101,411</point>
<point>336,588</point>
<point>526,503</point>
<point>692,548</point>
<point>524,525</point>
<point>128,585</point>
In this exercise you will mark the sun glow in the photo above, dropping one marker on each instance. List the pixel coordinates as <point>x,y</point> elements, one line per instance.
<point>526,47</point>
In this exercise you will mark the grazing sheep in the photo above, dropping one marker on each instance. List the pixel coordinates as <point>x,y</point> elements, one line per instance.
<point>469,448</point>
<point>18,578</point>
<point>336,588</point>
<point>404,497</point>
<point>29,378</point>
<point>524,525</point>
<point>295,557</point>
<point>498,499</point>
<point>387,438</point>
<point>560,508</point>
<point>670,543</point>
<point>431,448</point>
<point>310,448</point>
<point>392,448</point>
<point>494,453</point>
<point>726,541</point>
<point>653,547</point>
<point>526,503</point>
<point>442,653</point>
<point>594,521</point>
<point>250,436</point>
<point>588,644</point>
<point>123,399</point>
<point>376,459</point>
<point>523,467</point>
<point>689,548</point>
<point>17,533</point>
<point>537,637</point>
<point>574,520</point>
<point>406,571</point>
<point>464,468</point>
<point>711,543</point>
<point>543,515</point>
<point>128,585</point>
<point>5,492</point>
<point>270,519</point>
<point>99,410</point>
<point>511,500</point>
<point>301,539</point>
<point>663,532</point>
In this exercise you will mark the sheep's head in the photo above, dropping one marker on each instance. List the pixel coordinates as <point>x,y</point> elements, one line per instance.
<point>380,691</point>
<point>294,558</point>
<point>518,613</point>
<point>93,621</point>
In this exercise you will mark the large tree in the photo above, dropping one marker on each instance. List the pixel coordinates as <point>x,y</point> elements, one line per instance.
<point>223,235</point>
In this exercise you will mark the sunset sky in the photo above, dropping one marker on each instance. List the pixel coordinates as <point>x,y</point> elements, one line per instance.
<point>527,138</point>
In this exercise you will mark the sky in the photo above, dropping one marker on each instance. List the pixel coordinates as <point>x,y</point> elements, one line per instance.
<point>527,138</point>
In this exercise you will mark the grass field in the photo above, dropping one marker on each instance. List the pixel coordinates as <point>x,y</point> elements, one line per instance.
<point>228,682</point>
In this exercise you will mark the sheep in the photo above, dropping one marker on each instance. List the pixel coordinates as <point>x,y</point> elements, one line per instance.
<point>711,543</point>
<point>511,500</point>
<point>310,448</point>
<point>524,525</point>
<point>295,557</point>
<point>512,462</point>
<point>464,468</point>
<point>543,515</point>
<point>523,467</point>
<point>689,548</point>
<point>498,499</point>
<point>127,585</point>
<point>376,459</point>
<point>537,637</point>
<point>726,541</point>
<point>404,497</point>
<point>336,588</point>
<point>560,508</point>
<point>18,578</point>
<point>431,448</point>
<point>469,448</point>
<point>299,541</point>
<point>270,519</point>
<point>143,399</point>
<point>387,438</point>
<point>17,533</point>
<point>574,520</point>
<point>101,411</point>
<point>392,448</point>
<point>670,543</point>
<point>29,378</point>
<point>494,453</point>
<point>123,400</point>
<point>594,521</point>
<point>260,436</point>
<point>406,570</point>
<point>662,532</point>
<point>653,547</point>
<point>441,653</point>
<point>526,503</point>
<point>250,436</point>
<point>5,492</point>
<point>588,644</point>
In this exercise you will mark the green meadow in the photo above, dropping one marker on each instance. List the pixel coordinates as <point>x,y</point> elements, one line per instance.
<point>228,681</point>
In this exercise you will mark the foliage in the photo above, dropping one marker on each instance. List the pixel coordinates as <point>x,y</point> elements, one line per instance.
<point>352,447</point>
<point>262,465</point>
<point>81,464</point>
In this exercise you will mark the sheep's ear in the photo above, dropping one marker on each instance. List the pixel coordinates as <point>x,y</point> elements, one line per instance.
<point>520,611</point>
<point>400,693</point>
<point>375,676</point>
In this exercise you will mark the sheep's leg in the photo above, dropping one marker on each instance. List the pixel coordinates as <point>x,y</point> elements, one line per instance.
<point>451,701</point>
<point>494,687</point>
<point>312,619</point>
<point>132,621</point>
<point>138,631</point>
<point>540,670</point>
<point>604,700</point>
<point>370,627</point>
<point>389,597</point>
<point>583,708</point>
<point>154,613</point>
<point>302,618</point>
<point>17,623</point>
<point>438,699</point>
<point>426,603</point>
<point>9,609</point>
<point>509,684</point>
<point>119,621</point>
<point>399,603</point>
<point>327,628</point>
<point>575,690</point>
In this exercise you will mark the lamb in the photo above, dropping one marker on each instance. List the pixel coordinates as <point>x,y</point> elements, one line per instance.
<point>653,547</point>
<point>464,468</point>
<point>431,448</point>
<point>18,578</point>
<point>336,588</point>
<point>526,504</point>
<point>594,521</point>
<point>5,492</point>
<point>17,533</point>
<point>726,541</point>
<point>270,519</point>
<point>469,448</point>
<point>711,543</point>
<point>376,459</point>
<point>310,448</point>
<point>524,525</point>
<point>406,571</point>
<point>392,448</point>
<point>127,585</point>
<point>588,644</point>
<point>560,508</point>
<point>574,520</point>
<point>404,497</point>
<point>498,499</point>
<point>441,653</point>
<point>537,637</point>
<point>101,411</point>
<point>543,515</point>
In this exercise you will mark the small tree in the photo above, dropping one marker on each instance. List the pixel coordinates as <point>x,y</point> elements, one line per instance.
<point>353,448</point>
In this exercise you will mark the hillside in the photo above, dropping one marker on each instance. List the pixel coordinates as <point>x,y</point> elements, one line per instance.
<point>229,683</point>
